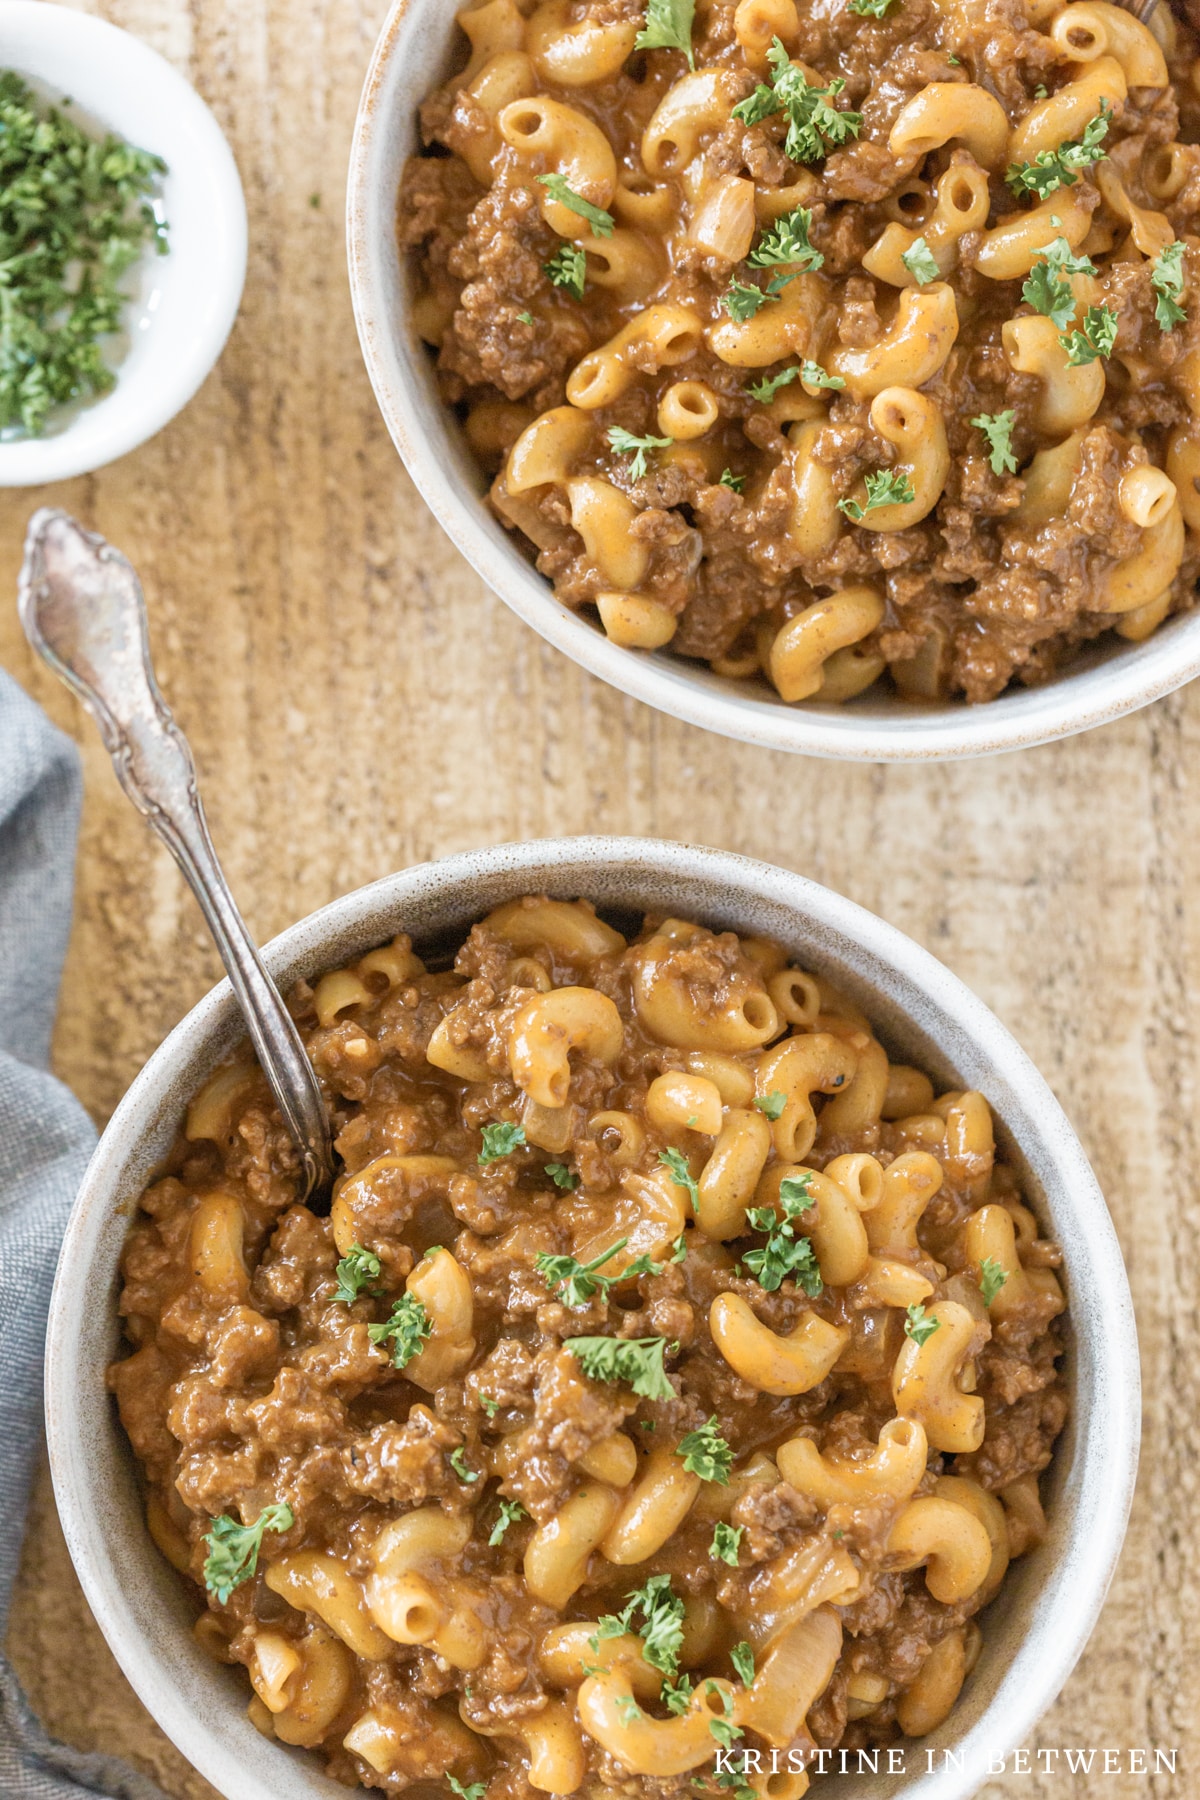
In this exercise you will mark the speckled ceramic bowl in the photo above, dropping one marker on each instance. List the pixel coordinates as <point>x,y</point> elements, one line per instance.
<point>1034,1631</point>
<point>416,51</point>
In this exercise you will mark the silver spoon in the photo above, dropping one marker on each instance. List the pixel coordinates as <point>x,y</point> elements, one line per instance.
<point>82,608</point>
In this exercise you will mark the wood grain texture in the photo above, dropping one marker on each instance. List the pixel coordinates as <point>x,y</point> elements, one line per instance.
<point>358,702</point>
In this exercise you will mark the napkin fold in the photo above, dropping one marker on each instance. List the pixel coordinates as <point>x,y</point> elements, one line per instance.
<point>46,1139</point>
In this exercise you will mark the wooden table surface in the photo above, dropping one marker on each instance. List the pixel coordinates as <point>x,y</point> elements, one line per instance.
<point>359,702</point>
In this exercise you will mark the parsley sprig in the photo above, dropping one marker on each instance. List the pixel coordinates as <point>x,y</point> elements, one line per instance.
<point>1166,278</point>
<point>726,1541</point>
<point>500,1139</point>
<point>355,1273</point>
<point>1094,338</point>
<point>815,376</point>
<point>1052,169</point>
<point>784,1254</point>
<point>676,1165</point>
<point>638,1361</point>
<point>567,268</point>
<point>787,242</point>
<point>814,126</point>
<point>562,1177</point>
<point>626,444</point>
<point>742,299</point>
<point>921,263</point>
<point>991,1279</point>
<point>510,1512</point>
<point>918,1325</point>
<point>885,487</point>
<point>474,1790</point>
<point>600,221</point>
<point>1046,287</point>
<point>233,1548</point>
<point>997,429</point>
<point>771,1105</point>
<point>406,1330</point>
<point>668,26</point>
<point>74,216</point>
<point>705,1453</point>
<point>575,1283</point>
<point>655,1614</point>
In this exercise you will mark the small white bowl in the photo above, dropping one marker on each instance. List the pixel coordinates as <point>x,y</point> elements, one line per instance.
<point>181,313</point>
<point>1034,1631</point>
<point>416,50</point>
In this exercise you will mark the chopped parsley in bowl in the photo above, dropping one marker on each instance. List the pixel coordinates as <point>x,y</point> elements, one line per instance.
<point>77,211</point>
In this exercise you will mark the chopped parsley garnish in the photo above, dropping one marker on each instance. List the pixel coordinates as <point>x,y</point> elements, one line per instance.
<point>918,1325</point>
<point>639,1361</point>
<point>1046,287</point>
<point>458,1462</point>
<point>885,487</point>
<point>575,1283</point>
<point>491,1407</point>
<point>475,1790</point>
<point>742,300</point>
<point>794,1191</point>
<point>567,268</point>
<point>626,444</point>
<point>500,1140</point>
<point>815,376</point>
<point>679,1249</point>
<point>728,479</point>
<point>524,318</point>
<point>742,1658</point>
<point>74,217</point>
<point>723,1727</point>
<point>921,263</point>
<point>600,221</point>
<point>991,1279</point>
<point>706,1454</point>
<point>510,1512</point>
<point>784,1254</point>
<point>1093,339</point>
<point>1051,169</point>
<point>870,9</point>
<point>676,1695</point>
<point>406,1330</point>
<point>562,1177</point>
<point>786,241</point>
<point>357,1269</point>
<point>233,1548</point>
<point>771,1104</point>
<point>675,1163</point>
<point>668,26</point>
<point>764,391</point>
<point>1166,278</point>
<point>997,429</point>
<point>660,1627</point>
<point>726,1541</point>
<point>814,126</point>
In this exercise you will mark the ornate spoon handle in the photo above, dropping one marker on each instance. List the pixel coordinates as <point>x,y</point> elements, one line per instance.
<point>82,608</point>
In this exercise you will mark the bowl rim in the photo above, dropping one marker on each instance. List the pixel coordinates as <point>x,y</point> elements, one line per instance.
<point>911,982</point>
<point>1127,678</point>
<point>125,84</point>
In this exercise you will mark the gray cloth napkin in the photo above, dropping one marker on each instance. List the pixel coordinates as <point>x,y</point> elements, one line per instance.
<point>45,1141</point>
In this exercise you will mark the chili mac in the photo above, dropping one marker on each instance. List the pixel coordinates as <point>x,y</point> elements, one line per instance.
<point>673,1375</point>
<point>827,343</point>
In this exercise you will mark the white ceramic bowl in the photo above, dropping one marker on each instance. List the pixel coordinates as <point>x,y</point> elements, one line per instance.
<point>184,303</point>
<point>416,50</point>
<point>1036,1629</point>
